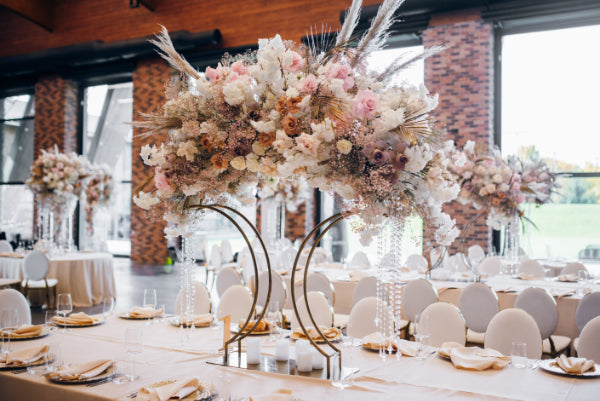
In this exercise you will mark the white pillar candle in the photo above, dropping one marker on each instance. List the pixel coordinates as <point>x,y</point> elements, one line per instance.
<point>253,351</point>
<point>282,349</point>
<point>301,345</point>
<point>318,360</point>
<point>304,361</point>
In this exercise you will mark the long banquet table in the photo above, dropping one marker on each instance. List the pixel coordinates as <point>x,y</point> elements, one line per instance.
<point>88,276</point>
<point>163,358</point>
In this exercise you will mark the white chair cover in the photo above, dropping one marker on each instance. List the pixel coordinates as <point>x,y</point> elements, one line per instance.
<point>362,317</point>
<point>278,290</point>
<point>215,257</point>
<point>387,260</point>
<point>287,257</point>
<point>541,306</point>
<point>573,268</point>
<point>226,252</point>
<point>237,302</point>
<point>227,277</point>
<point>478,304</point>
<point>202,302</point>
<point>589,341</point>
<point>10,298</point>
<point>366,287</point>
<point>416,296</point>
<point>514,325</point>
<point>417,262</point>
<point>476,253</point>
<point>35,266</point>
<point>531,267</point>
<point>360,260</point>
<point>317,282</point>
<point>444,323</point>
<point>490,265</point>
<point>319,306</point>
<point>588,309</point>
<point>245,261</point>
<point>5,246</point>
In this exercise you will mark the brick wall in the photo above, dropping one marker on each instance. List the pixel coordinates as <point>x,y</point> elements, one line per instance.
<point>148,243</point>
<point>462,75</point>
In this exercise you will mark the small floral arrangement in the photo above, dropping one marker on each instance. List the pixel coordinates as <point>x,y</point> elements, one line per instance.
<point>290,193</point>
<point>58,175</point>
<point>538,181</point>
<point>318,112</point>
<point>98,190</point>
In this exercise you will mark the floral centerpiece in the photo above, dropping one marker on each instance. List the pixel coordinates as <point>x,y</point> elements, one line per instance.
<point>538,181</point>
<point>98,192</point>
<point>288,193</point>
<point>291,110</point>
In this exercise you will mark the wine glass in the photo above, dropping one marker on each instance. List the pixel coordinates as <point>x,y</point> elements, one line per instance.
<point>49,319</point>
<point>133,346</point>
<point>273,317</point>
<point>9,321</point>
<point>108,307</point>
<point>64,306</point>
<point>345,377</point>
<point>422,335</point>
<point>149,298</point>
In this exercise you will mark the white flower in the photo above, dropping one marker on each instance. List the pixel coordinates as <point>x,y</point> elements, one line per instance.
<point>145,200</point>
<point>188,150</point>
<point>258,148</point>
<point>323,130</point>
<point>252,162</point>
<point>307,144</point>
<point>389,119</point>
<point>238,163</point>
<point>263,126</point>
<point>344,146</point>
<point>151,155</point>
<point>237,92</point>
<point>418,157</point>
<point>469,146</point>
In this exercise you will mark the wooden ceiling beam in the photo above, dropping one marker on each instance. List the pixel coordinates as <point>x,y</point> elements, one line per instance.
<point>40,12</point>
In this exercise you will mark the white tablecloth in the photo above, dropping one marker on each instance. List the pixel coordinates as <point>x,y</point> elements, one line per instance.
<point>89,277</point>
<point>393,379</point>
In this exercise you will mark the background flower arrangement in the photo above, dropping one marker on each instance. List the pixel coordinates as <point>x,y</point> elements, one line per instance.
<point>98,192</point>
<point>289,193</point>
<point>318,112</point>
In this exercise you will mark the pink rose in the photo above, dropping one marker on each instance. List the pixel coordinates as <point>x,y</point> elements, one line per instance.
<point>60,165</point>
<point>365,104</point>
<point>214,74</point>
<point>308,84</point>
<point>376,152</point>
<point>161,182</point>
<point>238,67</point>
<point>341,71</point>
<point>293,62</point>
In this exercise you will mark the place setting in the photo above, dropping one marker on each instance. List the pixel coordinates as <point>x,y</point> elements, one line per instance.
<point>147,311</point>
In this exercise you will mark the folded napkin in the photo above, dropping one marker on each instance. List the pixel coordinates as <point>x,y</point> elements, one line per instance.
<point>407,348</point>
<point>84,370</point>
<point>25,331</point>
<point>11,255</point>
<point>473,358</point>
<point>377,340</point>
<point>263,325</point>
<point>567,278</point>
<point>24,356</point>
<point>198,320</point>
<point>279,395</point>
<point>527,276</point>
<point>357,275</point>
<point>177,390</point>
<point>329,333</point>
<point>140,312</point>
<point>80,318</point>
<point>574,366</point>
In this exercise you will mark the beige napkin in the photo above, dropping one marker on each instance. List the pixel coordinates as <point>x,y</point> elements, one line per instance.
<point>85,370</point>
<point>80,318</point>
<point>376,340</point>
<point>575,366</point>
<point>25,331</point>
<point>140,312</point>
<point>527,276</point>
<point>24,356</point>
<point>279,395</point>
<point>11,255</point>
<point>263,325</point>
<point>473,358</point>
<point>199,320</point>
<point>357,275</point>
<point>176,390</point>
<point>407,348</point>
<point>329,332</point>
<point>568,278</point>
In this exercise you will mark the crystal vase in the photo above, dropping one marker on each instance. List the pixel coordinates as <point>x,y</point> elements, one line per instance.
<point>512,247</point>
<point>98,229</point>
<point>272,226</point>
<point>45,223</point>
<point>64,211</point>
<point>185,313</point>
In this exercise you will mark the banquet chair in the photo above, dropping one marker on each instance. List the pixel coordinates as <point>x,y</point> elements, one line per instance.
<point>416,296</point>
<point>202,302</point>
<point>514,325</point>
<point>542,307</point>
<point>246,265</point>
<point>387,260</point>
<point>587,309</point>
<point>366,287</point>
<point>320,307</point>
<point>227,277</point>
<point>572,268</point>
<point>490,265</point>
<point>589,341</point>
<point>531,267</point>
<point>362,317</point>
<point>476,253</point>
<point>478,304</point>
<point>417,262</point>
<point>35,269</point>
<point>444,323</point>
<point>226,252</point>
<point>360,260</point>
<point>213,263</point>
<point>235,302</point>
<point>317,282</point>
<point>278,289</point>
<point>11,298</point>
<point>286,259</point>
<point>5,246</point>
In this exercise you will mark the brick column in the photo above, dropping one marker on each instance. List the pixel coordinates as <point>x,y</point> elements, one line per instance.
<point>148,242</point>
<point>462,75</point>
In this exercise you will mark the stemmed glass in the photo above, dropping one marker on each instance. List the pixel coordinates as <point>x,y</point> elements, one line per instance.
<point>344,378</point>
<point>273,317</point>
<point>422,333</point>
<point>149,298</point>
<point>9,321</point>
<point>108,307</point>
<point>64,306</point>
<point>49,319</point>
<point>133,346</point>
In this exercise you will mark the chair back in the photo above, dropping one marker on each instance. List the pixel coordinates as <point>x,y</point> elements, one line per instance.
<point>35,266</point>
<point>287,257</point>
<point>490,265</point>
<point>226,251</point>
<point>387,260</point>
<point>278,290</point>
<point>236,302</point>
<point>202,302</point>
<point>588,308</point>
<point>11,298</point>
<point>360,260</point>
<point>541,306</point>
<point>417,262</point>
<point>317,282</point>
<point>443,322</point>
<point>589,341</point>
<point>227,277</point>
<point>5,246</point>
<point>366,287</point>
<point>478,304</point>
<point>215,257</point>
<point>514,325</point>
<point>320,307</point>
<point>362,317</point>
<point>572,268</point>
<point>416,296</point>
<point>531,267</point>
<point>476,253</point>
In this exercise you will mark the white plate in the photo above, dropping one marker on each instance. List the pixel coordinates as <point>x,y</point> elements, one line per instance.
<point>549,366</point>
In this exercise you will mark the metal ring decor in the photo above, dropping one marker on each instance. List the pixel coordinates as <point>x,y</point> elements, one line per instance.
<point>328,224</point>
<point>240,335</point>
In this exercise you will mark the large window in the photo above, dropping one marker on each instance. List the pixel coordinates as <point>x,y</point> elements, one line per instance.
<point>16,142</point>
<point>550,86</point>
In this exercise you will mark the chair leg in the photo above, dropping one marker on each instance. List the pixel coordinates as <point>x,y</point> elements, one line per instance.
<point>47,294</point>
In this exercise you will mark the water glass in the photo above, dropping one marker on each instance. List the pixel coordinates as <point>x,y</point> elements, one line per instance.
<point>582,278</point>
<point>64,306</point>
<point>108,307</point>
<point>133,346</point>
<point>49,319</point>
<point>518,355</point>
<point>9,321</point>
<point>273,317</point>
<point>422,335</point>
<point>149,298</point>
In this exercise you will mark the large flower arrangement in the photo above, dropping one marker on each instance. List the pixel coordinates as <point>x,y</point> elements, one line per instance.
<point>288,110</point>
<point>286,192</point>
<point>538,180</point>
<point>98,191</point>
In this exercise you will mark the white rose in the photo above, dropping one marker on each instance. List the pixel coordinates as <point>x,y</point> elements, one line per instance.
<point>344,146</point>
<point>252,162</point>
<point>238,163</point>
<point>258,148</point>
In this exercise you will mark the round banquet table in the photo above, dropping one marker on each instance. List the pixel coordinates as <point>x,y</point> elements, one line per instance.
<point>89,277</point>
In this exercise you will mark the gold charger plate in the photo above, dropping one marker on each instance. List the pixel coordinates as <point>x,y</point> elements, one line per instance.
<point>204,391</point>
<point>45,332</point>
<point>549,365</point>
<point>68,325</point>
<point>297,336</point>
<point>41,361</point>
<point>108,373</point>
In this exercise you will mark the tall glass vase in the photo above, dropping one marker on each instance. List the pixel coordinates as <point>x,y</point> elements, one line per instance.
<point>64,212</point>
<point>271,222</point>
<point>45,223</point>
<point>97,229</point>
<point>188,290</point>
<point>512,247</point>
